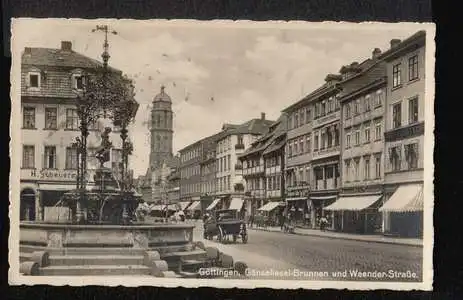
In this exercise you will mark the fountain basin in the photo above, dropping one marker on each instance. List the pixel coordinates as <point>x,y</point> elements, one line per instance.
<point>139,236</point>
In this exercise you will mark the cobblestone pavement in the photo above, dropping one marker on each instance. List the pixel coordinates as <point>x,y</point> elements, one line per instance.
<point>322,256</point>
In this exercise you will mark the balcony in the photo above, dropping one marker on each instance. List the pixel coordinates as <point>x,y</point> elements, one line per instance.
<point>326,119</point>
<point>273,194</point>
<point>404,132</point>
<point>327,184</point>
<point>253,171</point>
<point>326,152</point>
<point>298,185</point>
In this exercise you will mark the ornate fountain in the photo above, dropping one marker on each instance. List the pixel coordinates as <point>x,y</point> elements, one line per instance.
<point>103,235</point>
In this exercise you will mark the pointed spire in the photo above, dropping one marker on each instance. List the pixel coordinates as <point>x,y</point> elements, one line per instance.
<point>162,89</point>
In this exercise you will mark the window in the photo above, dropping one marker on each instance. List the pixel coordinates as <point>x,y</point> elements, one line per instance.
<point>28,157</point>
<point>357,138</point>
<point>347,140</point>
<point>347,111</point>
<point>308,145</point>
<point>240,139</point>
<point>34,80</point>
<point>29,117</point>
<point>301,117</point>
<point>330,105</point>
<point>366,172</point>
<point>290,123</point>
<point>301,142</point>
<point>336,103</point>
<point>413,68</point>
<point>396,75</point>
<point>395,158</point>
<point>296,152</point>
<point>367,103</point>
<point>77,82</point>
<point>296,119</point>
<point>378,130</point>
<point>51,118</point>
<point>290,148</point>
<point>396,115</point>
<point>357,169</point>
<point>413,110</point>
<point>322,140</point>
<point>348,170</point>
<point>323,108</point>
<point>379,98</point>
<point>50,157</point>
<point>411,153</point>
<point>317,110</point>
<point>367,134</point>
<point>378,166</point>
<point>315,146</point>
<point>307,115</point>
<point>72,120</point>
<point>357,107</point>
<point>71,158</point>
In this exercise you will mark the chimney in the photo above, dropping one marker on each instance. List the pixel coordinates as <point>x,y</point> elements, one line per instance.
<point>262,116</point>
<point>66,46</point>
<point>395,42</point>
<point>376,53</point>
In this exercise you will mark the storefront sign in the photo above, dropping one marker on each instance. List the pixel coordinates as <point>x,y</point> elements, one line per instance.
<point>57,175</point>
<point>405,132</point>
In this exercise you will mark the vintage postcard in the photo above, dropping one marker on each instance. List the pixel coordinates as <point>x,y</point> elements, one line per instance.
<point>223,154</point>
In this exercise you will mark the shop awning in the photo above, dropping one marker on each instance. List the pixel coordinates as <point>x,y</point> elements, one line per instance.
<point>184,204</point>
<point>407,198</point>
<point>269,206</point>
<point>296,198</point>
<point>236,204</point>
<point>213,204</point>
<point>57,187</point>
<point>194,206</point>
<point>322,197</point>
<point>353,203</point>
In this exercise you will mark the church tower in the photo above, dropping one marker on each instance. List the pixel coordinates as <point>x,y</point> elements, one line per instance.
<point>161,130</point>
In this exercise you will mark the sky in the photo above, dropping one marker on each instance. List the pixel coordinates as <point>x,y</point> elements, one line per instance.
<point>215,72</point>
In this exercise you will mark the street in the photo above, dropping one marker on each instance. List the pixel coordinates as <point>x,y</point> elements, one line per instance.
<point>320,258</point>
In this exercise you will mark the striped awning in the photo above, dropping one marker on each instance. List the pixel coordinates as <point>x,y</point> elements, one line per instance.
<point>407,198</point>
<point>194,206</point>
<point>353,203</point>
<point>183,205</point>
<point>296,198</point>
<point>213,204</point>
<point>269,206</point>
<point>236,204</point>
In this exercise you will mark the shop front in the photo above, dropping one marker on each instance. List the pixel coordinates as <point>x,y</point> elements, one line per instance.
<point>317,204</point>
<point>356,213</point>
<point>29,199</point>
<point>403,210</point>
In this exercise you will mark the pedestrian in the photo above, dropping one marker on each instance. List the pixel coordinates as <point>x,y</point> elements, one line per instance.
<point>323,223</point>
<point>282,220</point>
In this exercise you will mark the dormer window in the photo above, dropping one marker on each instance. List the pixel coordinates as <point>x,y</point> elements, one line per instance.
<point>77,82</point>
<point>33,80</point>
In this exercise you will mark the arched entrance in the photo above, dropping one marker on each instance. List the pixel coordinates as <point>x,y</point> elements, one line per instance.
<point>27,205</point>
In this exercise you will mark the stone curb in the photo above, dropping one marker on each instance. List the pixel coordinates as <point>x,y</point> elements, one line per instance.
<point>345,238</point>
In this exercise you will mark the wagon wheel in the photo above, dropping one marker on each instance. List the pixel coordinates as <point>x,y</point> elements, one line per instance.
<point>220,235</point>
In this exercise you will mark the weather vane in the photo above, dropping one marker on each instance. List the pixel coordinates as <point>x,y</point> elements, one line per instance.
<point>105,29</point>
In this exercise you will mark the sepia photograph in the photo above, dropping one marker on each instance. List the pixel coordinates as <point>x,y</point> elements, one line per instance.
<point>222,153</point>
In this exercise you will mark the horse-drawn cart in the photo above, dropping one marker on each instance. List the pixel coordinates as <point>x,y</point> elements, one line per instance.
<point>225,224</point>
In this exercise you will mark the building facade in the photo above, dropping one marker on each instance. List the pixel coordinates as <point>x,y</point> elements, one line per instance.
<point>362,100</point>
<point>50,80</point>
<point>262,166</point>
<point>233,141</point>
<point>190,172</point>
<point>312,152</point>
<point>404,136</point>
<point>208,172</point>
<point>173,182</point>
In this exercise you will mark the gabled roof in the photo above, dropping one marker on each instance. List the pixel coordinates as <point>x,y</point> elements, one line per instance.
<point>254,126</point>
<point>275,130</point>
<point>60,58</point>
